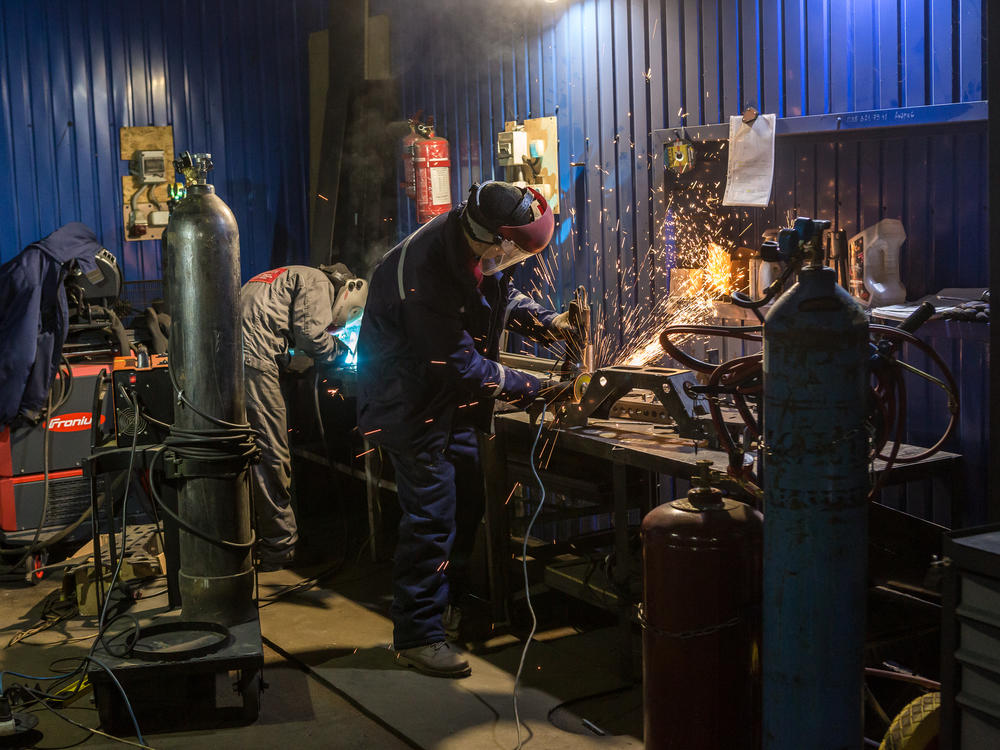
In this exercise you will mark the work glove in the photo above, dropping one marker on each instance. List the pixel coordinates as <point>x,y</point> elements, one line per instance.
<point>519,388</point>
<point>553,390</point>
<point>562,327</point>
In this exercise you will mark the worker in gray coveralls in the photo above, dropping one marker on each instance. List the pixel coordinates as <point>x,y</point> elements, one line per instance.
<point>293,307</point>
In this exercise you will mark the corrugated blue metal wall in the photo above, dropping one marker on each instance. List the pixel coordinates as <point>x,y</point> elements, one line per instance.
<point>230,76</point>
<point>615,70</point>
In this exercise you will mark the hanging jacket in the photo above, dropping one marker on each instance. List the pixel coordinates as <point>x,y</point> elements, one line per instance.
<point>287,308</point>
<point>34,317</point>
<point>429,345</point>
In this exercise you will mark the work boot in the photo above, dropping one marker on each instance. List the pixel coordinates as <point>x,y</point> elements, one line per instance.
<point>452,621</point>
<point>272,561</point>
<point>439,659</point>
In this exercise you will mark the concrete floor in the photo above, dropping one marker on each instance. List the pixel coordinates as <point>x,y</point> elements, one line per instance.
<point>332,682</point>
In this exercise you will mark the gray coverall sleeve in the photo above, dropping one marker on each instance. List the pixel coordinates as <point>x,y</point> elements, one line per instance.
<point>312,314</point>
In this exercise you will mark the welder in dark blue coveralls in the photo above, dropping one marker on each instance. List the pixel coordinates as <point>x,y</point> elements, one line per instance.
<point>428,371</point>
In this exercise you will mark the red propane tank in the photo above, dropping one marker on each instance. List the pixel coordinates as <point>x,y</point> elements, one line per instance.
<point>701,559</point>
<point>432,177</point>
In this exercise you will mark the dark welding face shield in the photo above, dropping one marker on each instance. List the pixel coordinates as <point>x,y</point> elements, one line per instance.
<point>523,232</point>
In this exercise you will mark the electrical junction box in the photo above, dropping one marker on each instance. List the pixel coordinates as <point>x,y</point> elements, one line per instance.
<point>159,218</point>
<point>512,148</point>
<point>149,167</point>
<point>148,153</point>
<point>528,152</point>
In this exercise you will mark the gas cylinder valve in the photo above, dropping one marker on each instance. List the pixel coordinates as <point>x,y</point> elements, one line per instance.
<point>194,167</point>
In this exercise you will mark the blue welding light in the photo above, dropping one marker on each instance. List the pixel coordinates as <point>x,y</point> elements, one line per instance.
<point>348,336</point>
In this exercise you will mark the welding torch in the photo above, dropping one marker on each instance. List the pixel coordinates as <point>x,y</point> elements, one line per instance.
<point>579,318</point>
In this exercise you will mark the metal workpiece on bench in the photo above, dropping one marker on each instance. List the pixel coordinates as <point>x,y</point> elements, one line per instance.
<point>816,482</point>
<point>201,245</point>
<point>609,384</point>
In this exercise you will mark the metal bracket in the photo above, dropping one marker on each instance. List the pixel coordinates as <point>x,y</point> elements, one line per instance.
<point>610,384</point>
<point>187,468</point>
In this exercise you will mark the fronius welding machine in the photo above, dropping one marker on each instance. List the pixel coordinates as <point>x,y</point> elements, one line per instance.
<point>23,464</point>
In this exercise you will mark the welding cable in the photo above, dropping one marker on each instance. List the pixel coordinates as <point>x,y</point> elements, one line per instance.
<point>75,723</point>
<point>121,691</point>
<point>121,558</point>
<point>329,463</point>
<point>738,369</point>
<point>319,414</point>
<point>592,696</point>
<point>224,543</point>
<point>28,549</point>
<point>524,560</point>
<point>746,333</point>
<point>181,398</point>
<point>950,386</point>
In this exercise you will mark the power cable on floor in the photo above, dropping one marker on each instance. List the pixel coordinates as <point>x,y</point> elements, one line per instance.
<point>41,698</point>
<point>102,625</point>
<point>524,562</point>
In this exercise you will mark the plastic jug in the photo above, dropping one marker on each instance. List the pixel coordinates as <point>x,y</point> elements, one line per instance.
<point>874,264</point>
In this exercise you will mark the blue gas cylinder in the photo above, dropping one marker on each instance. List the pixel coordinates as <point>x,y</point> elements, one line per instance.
<point>815,475</point>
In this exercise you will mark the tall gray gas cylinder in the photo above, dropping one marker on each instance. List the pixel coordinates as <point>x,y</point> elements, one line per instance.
<point>816,385</point>
<point>202,249</point>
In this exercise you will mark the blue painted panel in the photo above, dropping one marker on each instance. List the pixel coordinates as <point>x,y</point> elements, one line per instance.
<point>912,52</point>
<point>970,46</point>
<point>864,57</point>
<point>673,82</point>
<point>772,53</point>
<point>887,44</point>
<point>795,59</point>
<point>817,63</point>
<point>841,82</point>
<point>230,76</point>
<point>711,54</point>
<point>941,38</point>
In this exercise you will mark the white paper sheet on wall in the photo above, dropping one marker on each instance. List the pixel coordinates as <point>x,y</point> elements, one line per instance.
<point>751,162</point>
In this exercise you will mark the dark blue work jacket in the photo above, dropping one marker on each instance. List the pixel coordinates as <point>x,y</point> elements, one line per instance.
<point>34,317</point>
<point>429,341</point>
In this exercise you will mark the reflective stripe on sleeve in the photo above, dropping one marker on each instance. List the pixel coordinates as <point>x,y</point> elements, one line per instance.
<point>502,379</point>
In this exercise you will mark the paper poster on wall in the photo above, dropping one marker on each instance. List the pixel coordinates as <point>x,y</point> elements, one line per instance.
<point>751,161</point>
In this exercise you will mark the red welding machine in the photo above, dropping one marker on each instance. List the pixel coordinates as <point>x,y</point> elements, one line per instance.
<point>22,465</point>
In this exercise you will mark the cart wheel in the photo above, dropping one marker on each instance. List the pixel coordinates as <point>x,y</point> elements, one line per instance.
<point>35,567</point>
<point>917,726</point>
<point>251,689</point>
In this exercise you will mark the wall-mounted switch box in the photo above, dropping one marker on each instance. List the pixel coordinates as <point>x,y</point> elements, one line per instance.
<point>512,147</point>
<point>148,167</point>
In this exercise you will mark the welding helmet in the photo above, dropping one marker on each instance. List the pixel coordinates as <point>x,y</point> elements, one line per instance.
<point>349,305</point>
<point>517,222</point>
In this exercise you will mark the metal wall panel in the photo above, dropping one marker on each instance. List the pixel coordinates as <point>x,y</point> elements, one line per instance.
<point>230,76</point>
<point>615,70</point>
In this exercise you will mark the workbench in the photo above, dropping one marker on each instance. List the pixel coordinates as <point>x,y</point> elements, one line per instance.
<point>612,468</point>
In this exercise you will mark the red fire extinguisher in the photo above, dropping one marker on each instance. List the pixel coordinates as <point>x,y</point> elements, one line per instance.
<point>431,170</point>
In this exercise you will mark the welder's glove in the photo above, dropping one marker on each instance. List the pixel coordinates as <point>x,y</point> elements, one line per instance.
<point>519,388</point>
<point>553,390</point>
<point>562,327</point>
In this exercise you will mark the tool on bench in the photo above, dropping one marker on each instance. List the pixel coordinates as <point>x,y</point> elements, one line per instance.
<point>581,343</point>
<point>671,387</point>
